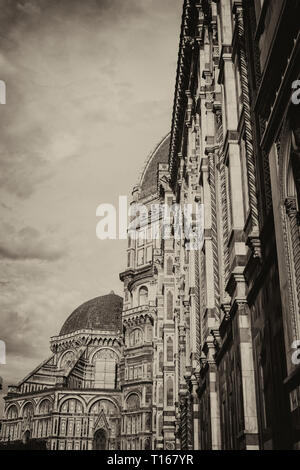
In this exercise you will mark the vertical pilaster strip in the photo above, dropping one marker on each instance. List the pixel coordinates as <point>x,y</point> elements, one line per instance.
<point>212,183</point>
<point>291,210</point>
<point>247,115</point>
<point>225,224</point>
<point>197,305</point>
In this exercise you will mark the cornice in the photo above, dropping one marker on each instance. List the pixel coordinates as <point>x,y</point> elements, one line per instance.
<point>188,42</point>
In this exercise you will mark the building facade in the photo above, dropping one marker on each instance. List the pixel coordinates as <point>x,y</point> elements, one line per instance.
<point>235,148</point>
<point>72,400</point>
<point>203,352</point>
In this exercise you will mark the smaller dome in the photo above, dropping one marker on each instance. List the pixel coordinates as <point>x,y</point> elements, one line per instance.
<point>101,313</point>
<point>148,181</point>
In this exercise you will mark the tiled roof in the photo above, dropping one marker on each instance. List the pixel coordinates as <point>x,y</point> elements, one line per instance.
<point>101,313</point>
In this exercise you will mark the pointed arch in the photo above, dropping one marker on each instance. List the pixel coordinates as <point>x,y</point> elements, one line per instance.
<point>170,350</point>
<point>170,392</point>
<point>143,295</point>
<point>169,305</point>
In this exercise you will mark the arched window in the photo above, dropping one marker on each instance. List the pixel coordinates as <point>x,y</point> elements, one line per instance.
<point>45,407</point>
<point>105,362</point>
<point>147,443</point>
<point>67,359</point>
<point>28,410</point>
<point>72,406</point>
<point>133,402</point>
<point>12,412</point>
<point>169,306</point>
<point>143,295</point>
<point>136,337</point>
<point>170,350</point>
<point>170,393</point>
<point>68,426</point>
<point>100,441</point>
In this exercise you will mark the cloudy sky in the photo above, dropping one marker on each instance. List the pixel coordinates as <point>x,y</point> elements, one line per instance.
<point>89,93</point>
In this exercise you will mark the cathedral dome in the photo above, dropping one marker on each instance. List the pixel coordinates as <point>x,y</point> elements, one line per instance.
<point>148,183</point>
<point>101,313</point>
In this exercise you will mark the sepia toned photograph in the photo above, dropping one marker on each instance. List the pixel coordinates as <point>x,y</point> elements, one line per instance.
<point>150,228</point>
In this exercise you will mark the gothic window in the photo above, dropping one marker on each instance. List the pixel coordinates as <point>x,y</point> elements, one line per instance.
<point>105,369</point>
<point>66,359</point>
<point>136,338</point>
<point>45,407</point>
<point>170,392</point>
<point>147,443</point>
<point>161,361</point>
<point>133,402</point>
<point>143,295</point>
<point>28,410</point>
<point>169,267</point>
<point>161,395</point>
<point>12,412</point>
<point>170,350</point>
<point>169,306</point>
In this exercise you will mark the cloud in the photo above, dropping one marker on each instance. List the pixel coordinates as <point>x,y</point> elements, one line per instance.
<point>28,244</point>
<point>89,93</point>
